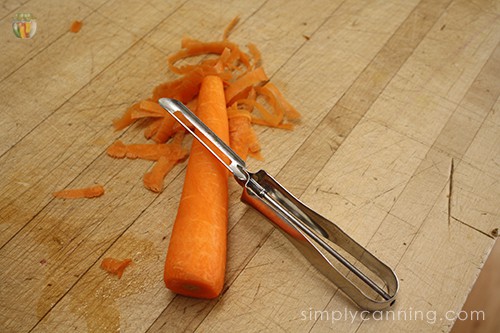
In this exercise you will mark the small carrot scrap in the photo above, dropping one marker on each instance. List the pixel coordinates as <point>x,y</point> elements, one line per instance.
<point>288,109</point>
<point>230,27</point>
<point>165,130</point>
<point>115,266</point>
<point>153,180</point>
<point>151,152</point>
<point>75,193</point>
<point>196,256</point>
<point>76,26</point>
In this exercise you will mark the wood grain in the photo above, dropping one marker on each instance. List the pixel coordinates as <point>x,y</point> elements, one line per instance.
<point>390,92</point>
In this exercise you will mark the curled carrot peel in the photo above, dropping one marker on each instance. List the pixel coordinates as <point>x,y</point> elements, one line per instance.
<point>250,99</point>
<point>247,80</point>
<point>87,192</point>
<point>115,266</point>
<point>153,180</point>
<point>126,120</point>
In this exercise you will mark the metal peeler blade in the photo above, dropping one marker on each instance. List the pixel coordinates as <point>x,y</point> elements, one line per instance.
<point>319,240</point>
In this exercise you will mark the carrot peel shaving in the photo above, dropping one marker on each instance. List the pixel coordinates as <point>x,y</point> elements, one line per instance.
<point>115,266</point>
<point>87,192</point>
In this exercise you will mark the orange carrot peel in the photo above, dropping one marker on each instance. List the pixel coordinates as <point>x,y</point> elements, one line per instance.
<point>115,266</point>
<point>76,26</point>
<point>76,193</point>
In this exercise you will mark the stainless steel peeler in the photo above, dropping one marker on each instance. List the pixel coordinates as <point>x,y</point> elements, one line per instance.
<point>323,243</point>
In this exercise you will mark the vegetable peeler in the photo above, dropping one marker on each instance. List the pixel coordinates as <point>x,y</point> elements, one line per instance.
<point>371,284</point>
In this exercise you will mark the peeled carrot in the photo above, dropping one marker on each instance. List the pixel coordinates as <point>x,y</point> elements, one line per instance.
<point>75,193</point>
<point>114,266</point>
<point>196,256</point>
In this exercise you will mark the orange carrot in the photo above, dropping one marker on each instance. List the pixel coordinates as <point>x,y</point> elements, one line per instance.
<point>75,193</point>
<point>196,256</point>
<point>76,26</point>
<point>115,266</point>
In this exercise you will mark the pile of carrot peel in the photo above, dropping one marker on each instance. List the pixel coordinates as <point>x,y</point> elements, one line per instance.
<point>250,100</point>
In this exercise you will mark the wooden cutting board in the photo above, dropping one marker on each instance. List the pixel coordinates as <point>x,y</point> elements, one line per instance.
<point>392,93</point>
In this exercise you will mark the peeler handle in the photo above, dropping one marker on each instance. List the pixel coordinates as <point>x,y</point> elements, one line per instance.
<point>313,235</point>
